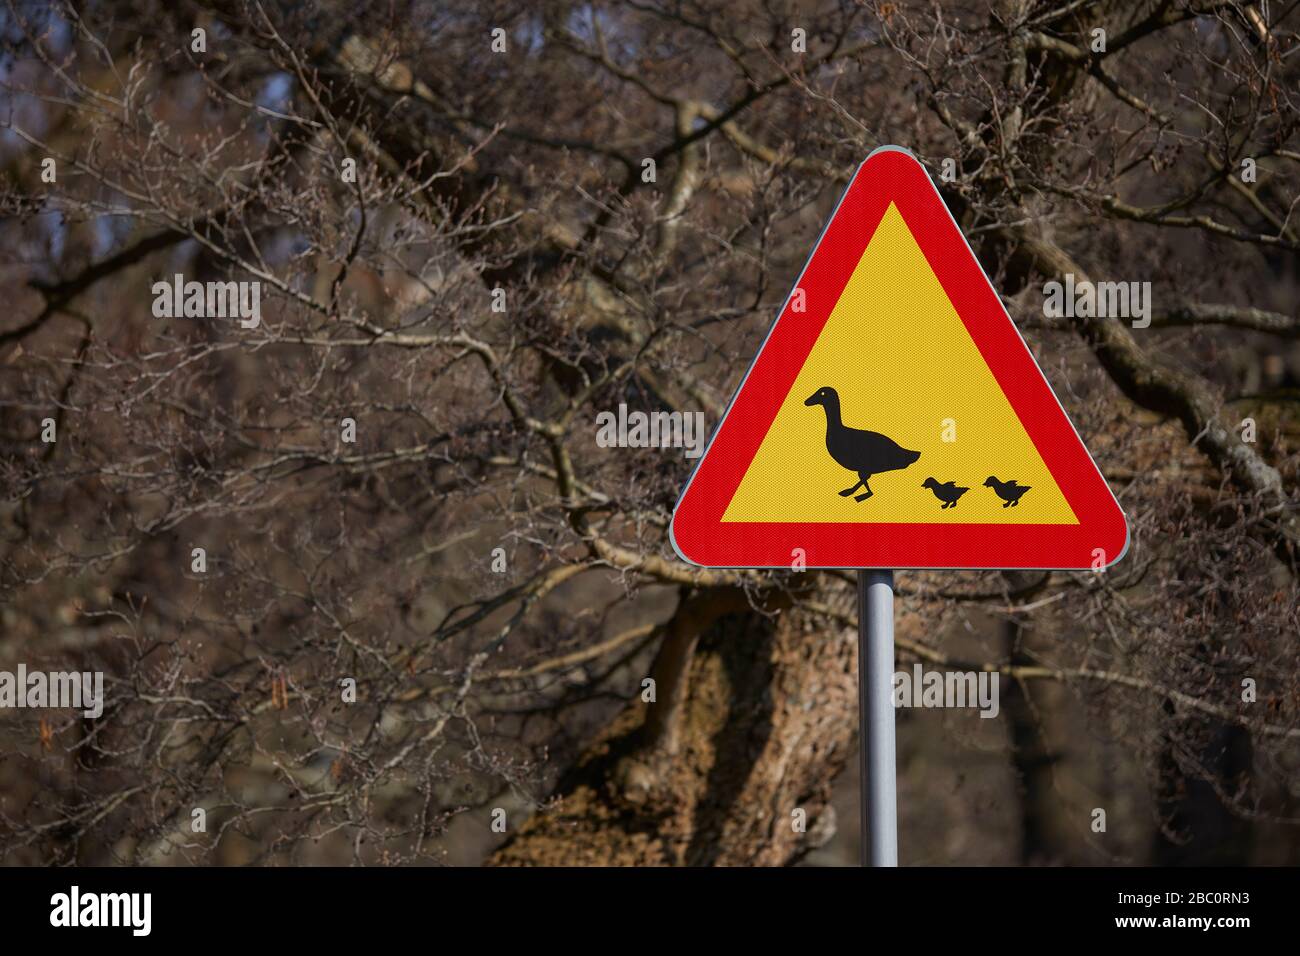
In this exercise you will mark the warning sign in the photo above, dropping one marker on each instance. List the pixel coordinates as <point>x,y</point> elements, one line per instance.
<point>894,417</point>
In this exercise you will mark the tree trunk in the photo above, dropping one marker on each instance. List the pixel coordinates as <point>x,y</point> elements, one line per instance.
<point>1032,760</point>
<point>754,716</point>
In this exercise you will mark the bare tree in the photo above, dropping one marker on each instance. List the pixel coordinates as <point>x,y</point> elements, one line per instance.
<point>473,230</point>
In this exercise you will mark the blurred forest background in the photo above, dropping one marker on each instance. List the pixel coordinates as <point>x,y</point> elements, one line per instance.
<point>502,146</point>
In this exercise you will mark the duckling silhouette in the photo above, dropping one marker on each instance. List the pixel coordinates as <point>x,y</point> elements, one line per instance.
<point>1008,491</point>
<point>945,491</point>
<point>867,453</point>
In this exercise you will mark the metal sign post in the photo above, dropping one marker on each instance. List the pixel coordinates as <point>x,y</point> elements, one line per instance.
<point>876,718</point>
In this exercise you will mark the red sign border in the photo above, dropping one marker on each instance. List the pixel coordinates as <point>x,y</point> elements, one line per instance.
<point>892,174</point>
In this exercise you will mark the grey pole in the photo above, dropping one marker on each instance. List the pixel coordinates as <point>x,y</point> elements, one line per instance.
<point>879,799</point>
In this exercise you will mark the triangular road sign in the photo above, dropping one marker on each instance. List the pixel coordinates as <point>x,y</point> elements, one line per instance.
<point>894,417</point>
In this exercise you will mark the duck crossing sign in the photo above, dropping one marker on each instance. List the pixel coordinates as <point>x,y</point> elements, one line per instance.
<point>894,417</point>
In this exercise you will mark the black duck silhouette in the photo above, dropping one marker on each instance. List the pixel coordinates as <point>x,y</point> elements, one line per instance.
<point>945,491</point>
<point>1008,491</point>
<point>863,452</point>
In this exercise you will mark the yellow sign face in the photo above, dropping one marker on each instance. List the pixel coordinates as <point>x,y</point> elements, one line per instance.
<point>896,362</point>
